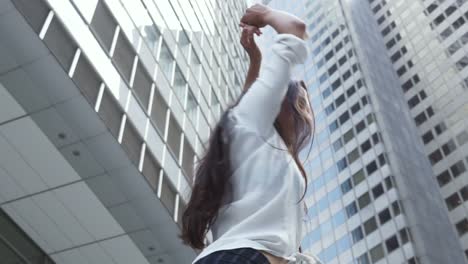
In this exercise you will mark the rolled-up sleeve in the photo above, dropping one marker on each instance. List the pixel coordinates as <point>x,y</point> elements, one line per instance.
<point>261,104</point>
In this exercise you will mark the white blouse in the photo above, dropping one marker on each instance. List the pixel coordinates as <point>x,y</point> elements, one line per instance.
<point>264,211</point>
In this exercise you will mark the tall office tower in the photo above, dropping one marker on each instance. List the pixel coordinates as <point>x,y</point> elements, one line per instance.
<point>427,44</point>
<point>373,197</point>
<point>104,106</point>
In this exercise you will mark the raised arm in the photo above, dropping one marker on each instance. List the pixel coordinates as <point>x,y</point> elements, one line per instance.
<point>284,23</point>
<point>260,106</point>
<point>255,56</point>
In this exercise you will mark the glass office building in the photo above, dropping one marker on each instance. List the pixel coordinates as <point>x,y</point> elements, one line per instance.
<point>426,42</point>
<point>373,195</point>
<point>105,105</point>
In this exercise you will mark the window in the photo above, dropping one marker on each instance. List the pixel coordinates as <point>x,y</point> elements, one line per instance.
<point>351,209</point>
<point>142,85</point>
<point>132,142</point>
<point>363,259</point>
<point>404,236</point>
<point>110,113</point>
<point>353,155</point>
<point>370,119</point>
<point>151,170</point>
<point>392,243</point>
<point>332,70</point>
<point>446,33</point>
<point>342,164</point>
<point>348,136</point>
<point>103,25</point>
<point>377,191</point>
<point>357,234</point>
<point>87,80</point>
<point>370,225</point>
<point>342,60</point>
<point>377,253</point>
<point>355,108</point>
<point>458,168</point>
<point>435,157</point>
<point>384,216</point>
<point>443,178</point>
<point>428,137</point>
<point>358,177</point>
<point>454,47</point>
<point>462,63</point>
<point>407,85</point>
<point>364,200</point>
<point>453,201</point>
<point>382,160</point>
<point>360,126</point>
<point>389,182</point>
<point>337,144</point>
<point>371,167</point>
<point>458,23</point>
<point>60,43</point>
<point>366,146</point>
<point>329,109</point>
<point>421,118</point>
<point>168,195</point>
<point>346,186</point>
<point>174,137</point>
<point>462,227</point>
<point>336,84</point>
<point>413,101</point>
<point>450,10</point>
<point>449,147</point>
<point>464,193</point>
<point>344,117</point>
<point>333,126</point>
<point>123,57</point>
<point>340,100</point>
<point>431,7</point>
<point>188,157</point>
<point>158,112</point>
<point>351,91</point>
<point>396,208</point>
<point>462,138</point>
<point>166,61</point>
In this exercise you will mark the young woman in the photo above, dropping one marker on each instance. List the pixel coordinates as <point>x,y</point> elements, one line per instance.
<point>250,185</point>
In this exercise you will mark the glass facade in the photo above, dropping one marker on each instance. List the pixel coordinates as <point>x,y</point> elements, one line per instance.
<point>367,161</point>
<point>426,41</point>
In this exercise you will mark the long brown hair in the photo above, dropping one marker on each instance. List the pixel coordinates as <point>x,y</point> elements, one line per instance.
<point>211,185</point>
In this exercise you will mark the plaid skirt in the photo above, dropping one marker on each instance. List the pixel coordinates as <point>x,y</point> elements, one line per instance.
<point>235,256</point>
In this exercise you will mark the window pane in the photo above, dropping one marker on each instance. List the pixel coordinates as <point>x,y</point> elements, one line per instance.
<point>124,57</point>
<point>384,216</point>
<point>151,169</point>
<point>377,191</point>
<point>453,201</point>
<point>392,243</point>
<point>377,253</point>
<point>142,85</point>
<point>370,225</point>
<point>364,200</point>
<point>103,25</point>
<point>173,137</point>
<point>60,44</point>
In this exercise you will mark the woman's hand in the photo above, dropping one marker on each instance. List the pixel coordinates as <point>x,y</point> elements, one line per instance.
<point>260,15</point>
<point>248,42</point>
<point>256,15</point>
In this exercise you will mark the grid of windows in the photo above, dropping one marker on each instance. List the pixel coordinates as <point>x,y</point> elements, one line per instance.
<point>177,79</point>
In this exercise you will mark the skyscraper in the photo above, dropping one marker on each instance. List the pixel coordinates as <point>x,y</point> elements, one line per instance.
<point>379,79</point>
<point>104,108</point>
